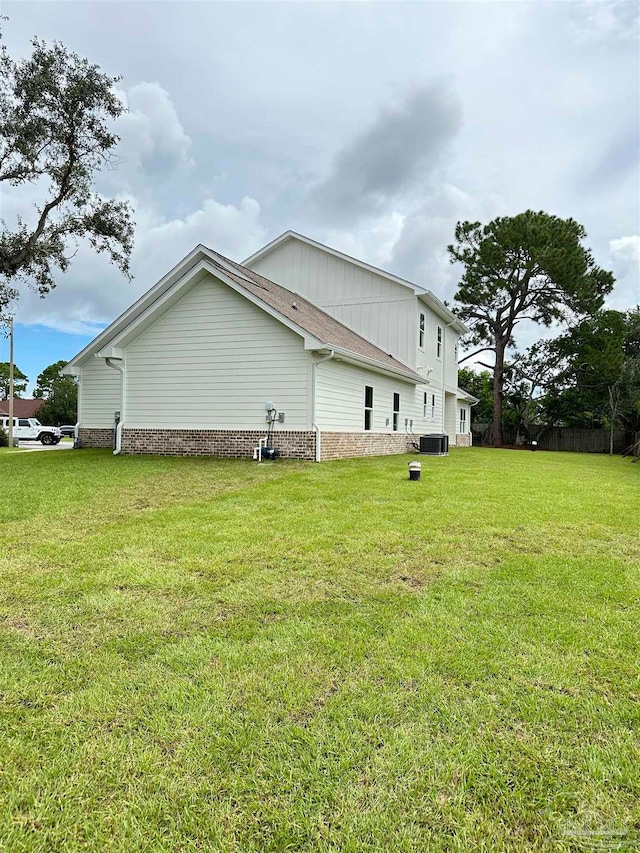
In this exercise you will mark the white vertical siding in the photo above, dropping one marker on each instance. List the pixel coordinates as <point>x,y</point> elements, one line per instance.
<point>450,417</point>
<point>211,361</point>
<point>340,400</point>
<point>100,394</point>
<point>450,377</point>
<point>374,306</point>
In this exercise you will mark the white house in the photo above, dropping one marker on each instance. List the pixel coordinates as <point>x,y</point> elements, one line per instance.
<point>353,361</point>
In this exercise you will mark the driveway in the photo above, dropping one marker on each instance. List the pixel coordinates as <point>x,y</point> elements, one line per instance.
<point>36,447</point>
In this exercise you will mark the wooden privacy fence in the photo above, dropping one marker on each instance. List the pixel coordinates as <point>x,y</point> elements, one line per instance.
<point>574,439</point>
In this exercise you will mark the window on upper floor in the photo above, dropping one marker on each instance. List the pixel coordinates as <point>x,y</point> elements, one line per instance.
<point>421,332</point>
<point>439,344</point>
<point>368,407</point>
<point>396,412</point>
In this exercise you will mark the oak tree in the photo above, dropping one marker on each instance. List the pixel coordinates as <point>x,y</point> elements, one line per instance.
<point>56,117</point>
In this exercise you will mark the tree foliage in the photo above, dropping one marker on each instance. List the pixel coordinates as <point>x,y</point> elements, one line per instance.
<point>60,393</point>
<point>598,383</point>
<point>530,266</point>
<point>56,111</point>
<point>20,380</point>
<point>480,385</point>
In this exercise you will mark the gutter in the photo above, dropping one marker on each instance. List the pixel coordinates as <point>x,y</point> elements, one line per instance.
<point>120,369</point>
<point>315,426</point>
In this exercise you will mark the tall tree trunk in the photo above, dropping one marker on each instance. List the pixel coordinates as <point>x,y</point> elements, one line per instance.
<point>498,373</point>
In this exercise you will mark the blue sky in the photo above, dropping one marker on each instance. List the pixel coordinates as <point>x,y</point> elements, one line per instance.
<point>372,127</point>
<point>36,347</point>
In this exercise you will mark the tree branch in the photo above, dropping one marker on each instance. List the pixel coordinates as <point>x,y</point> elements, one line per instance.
<point>477,352</point>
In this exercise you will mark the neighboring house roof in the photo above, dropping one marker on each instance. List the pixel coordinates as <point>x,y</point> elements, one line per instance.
<point>21,408</point>
<point>305,318</point>
<point>467,397</point>
<point>422,293</point>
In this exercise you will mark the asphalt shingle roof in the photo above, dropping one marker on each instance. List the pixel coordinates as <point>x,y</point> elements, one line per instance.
<point>21,408</point>
<point>309,317</point>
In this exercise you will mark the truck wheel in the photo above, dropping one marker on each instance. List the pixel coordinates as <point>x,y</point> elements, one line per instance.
<point>46,438</point>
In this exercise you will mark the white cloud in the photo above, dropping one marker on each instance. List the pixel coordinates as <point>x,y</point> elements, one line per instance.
<point>152,138</point>
<point>597,20</point>
<point>625,260</point>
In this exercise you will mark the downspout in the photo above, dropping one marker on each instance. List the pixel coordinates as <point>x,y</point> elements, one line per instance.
<point>316,428</point>
<point>120,370</point>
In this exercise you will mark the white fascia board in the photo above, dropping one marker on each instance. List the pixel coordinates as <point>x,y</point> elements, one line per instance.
<point>375,366</point>
<point>442,311</point>
<point>293,235</point>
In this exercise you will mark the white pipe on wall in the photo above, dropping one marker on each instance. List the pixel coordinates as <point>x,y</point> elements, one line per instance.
<point>313,402</point>
<point>120,370</point>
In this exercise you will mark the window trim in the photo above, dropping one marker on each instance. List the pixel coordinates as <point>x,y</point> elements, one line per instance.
<point>422,321</point>
<point>439,343</point>
<point>433,407</point>
<point>396,411</point>
<point>425,406</point>
<point>462,420</point>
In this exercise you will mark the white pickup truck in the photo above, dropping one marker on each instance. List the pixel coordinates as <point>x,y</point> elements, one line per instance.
<point>30,429</point>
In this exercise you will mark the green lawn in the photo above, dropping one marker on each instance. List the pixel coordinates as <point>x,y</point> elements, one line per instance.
<point>202,655</point>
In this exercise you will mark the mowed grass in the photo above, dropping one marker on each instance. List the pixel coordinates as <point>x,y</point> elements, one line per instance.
<point>204,655</point>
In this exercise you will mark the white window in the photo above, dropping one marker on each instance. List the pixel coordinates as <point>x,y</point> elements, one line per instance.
<point>463,420</point>
<point>433,406</point>
<point>439,346</point>
<point>396,412</point>
<point>425,406</point>
<point>421,332</point>
<point>368,407</point>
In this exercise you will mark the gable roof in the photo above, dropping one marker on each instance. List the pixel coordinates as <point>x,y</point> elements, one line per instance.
<point>422,293</point>
<point>466,396</point>
<point>319,329</point>
<point>21,408</point>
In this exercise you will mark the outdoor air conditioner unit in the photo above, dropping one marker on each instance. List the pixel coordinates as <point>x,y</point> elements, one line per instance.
<point>436,444</point>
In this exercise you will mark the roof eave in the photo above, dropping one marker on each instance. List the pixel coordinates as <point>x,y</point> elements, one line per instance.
<point>377,366</point>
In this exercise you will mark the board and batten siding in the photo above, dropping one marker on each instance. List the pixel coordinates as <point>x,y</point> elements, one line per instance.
<point>340,400</point>
<point>379,309</point>
<point>99,396</point>
<point>211,361</point>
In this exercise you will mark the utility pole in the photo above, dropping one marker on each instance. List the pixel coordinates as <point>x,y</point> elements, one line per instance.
<point>11,382</point>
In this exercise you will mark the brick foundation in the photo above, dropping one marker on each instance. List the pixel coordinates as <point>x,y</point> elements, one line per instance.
<point>463,439</point>
<point>95,437</point>
<point>348,445</point>
<point>239,444</point>
<point>236,444</point>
